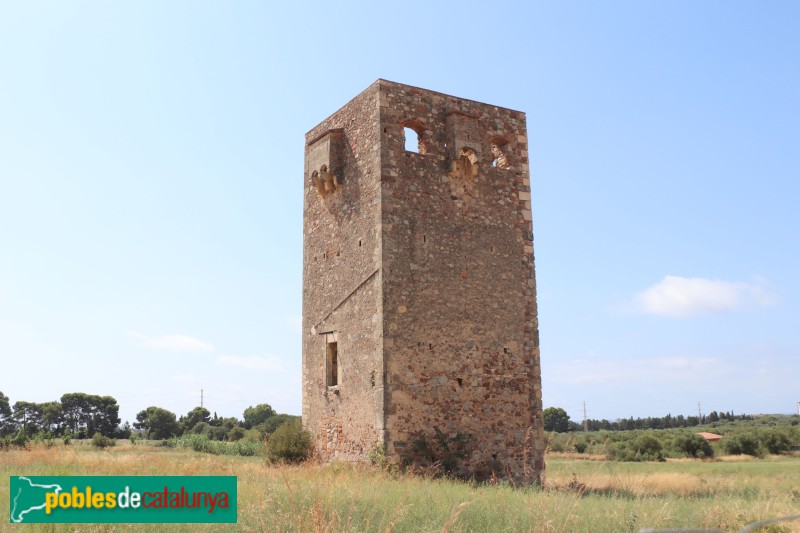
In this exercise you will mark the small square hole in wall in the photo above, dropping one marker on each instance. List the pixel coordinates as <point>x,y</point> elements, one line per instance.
<point>332,365</point>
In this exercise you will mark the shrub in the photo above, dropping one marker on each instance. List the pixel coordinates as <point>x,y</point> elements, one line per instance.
<point>289,443</point>
<point>100,441</point>
<point>454,449</point>
<point>244,448</point>
<point>648,447</point>
<point>218,432</point>
<point>201,428</point>
<point>124,432</point>
<point>554,443</point>
<point>20,440</point>
<point>445,451</point>
<point>199,443</point>
<point>693,445</point>
<point>775,441</point>
<point>642,448</point>
<point>743,444</point>
<point>202,444</point>
<point>44,438</point>
<point>236,433</point>
<point>253,435</point>
<point>581,446</point>
<point>377,456</point>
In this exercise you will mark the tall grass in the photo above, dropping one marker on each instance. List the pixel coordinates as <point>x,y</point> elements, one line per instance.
<point>201,443</point>
<point>582,495</point>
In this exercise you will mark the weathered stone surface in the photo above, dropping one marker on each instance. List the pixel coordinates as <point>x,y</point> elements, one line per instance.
<point>418,275</point>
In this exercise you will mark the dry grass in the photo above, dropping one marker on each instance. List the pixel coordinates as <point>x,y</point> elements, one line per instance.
<point>582,495</point>
<point>577,456</point>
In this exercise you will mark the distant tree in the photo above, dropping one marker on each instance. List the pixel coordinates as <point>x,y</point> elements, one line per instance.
<point>693,445</point>
<point>218,433</point>
<point>158,422</point>
<point>743,444</point>
<point>775,441</point>
<point>84,414</point>
<point>194,417</point>
<point>104,413</point>
<point>6,415</point>
<point>51,416</point>
<point>27,416</point>
<point>124,431</point>
<point>556,419</point>
<point>74,410</point>
<point>269,427</point>
<point>259,414</point>
<point>201,428</point>
<point>220,427</point>
<point>648,447</point>
<point>236,433</point>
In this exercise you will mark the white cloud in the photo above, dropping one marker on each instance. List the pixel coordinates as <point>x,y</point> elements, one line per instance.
<point>252,362</point>
<point>173,343</point>
<point>675,296</point>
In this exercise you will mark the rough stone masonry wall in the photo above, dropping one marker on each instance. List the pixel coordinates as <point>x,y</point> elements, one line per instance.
<point>461,343</point>
<point>341,281</point>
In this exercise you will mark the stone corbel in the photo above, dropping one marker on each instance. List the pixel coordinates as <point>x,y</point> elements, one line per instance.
<point>324,181</point>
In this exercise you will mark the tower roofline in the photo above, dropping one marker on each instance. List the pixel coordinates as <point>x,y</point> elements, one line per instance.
<point>380,81</point>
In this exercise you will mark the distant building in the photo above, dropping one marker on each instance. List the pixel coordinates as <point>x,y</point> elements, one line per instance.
<point>710,437</point>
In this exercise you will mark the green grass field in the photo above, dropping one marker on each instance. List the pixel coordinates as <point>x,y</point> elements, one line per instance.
<point>582,495</point>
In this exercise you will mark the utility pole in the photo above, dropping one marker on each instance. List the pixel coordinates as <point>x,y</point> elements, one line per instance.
<point>201,397</point>
<point>586,420</point>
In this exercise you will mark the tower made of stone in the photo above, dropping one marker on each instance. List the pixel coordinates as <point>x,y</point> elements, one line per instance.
<point>419,293</point>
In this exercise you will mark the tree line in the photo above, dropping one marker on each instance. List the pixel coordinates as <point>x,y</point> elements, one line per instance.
<point>76,414</point>
<point>556,419</point>
<point>80,415</point>
<point>159,423</point>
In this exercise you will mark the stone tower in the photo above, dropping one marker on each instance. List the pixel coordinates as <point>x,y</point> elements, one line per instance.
<point>419,294</point>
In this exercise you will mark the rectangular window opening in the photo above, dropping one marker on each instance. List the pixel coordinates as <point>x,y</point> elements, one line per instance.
<point>332,366</point>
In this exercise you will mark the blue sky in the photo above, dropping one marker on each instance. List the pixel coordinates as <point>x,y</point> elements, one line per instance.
<point>151,167</point>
